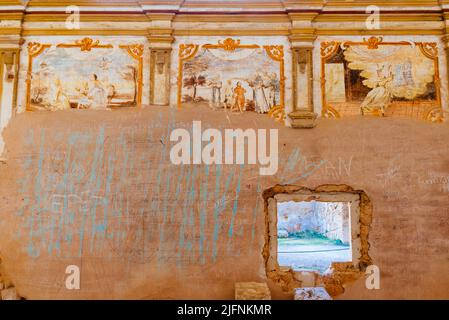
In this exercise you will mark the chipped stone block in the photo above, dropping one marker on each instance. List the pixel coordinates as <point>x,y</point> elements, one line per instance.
<point>9,294</point>
<point>252,291</point>
<point>312,293</point>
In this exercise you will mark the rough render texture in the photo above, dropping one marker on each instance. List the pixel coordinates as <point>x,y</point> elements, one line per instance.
<point>153,237</point>
<point>339,274</point>
<point>7,290</point>
<point>314,293</point>
<point>252,291</point>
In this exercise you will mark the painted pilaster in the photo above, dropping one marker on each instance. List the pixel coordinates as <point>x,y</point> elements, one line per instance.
<point>9,66</point>
<point>302,39</point>
<point>160,38</point>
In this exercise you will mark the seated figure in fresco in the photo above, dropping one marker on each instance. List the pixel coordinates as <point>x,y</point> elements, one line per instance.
<point>379,98</point>
<point>97,94</point>
<point>239,93</point>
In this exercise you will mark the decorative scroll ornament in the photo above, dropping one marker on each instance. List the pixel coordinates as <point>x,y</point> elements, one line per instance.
<point>435,115</point>
<point>278,113</point>
<point>275,52</point>
<point>330,112</point>
<point>35,48</point>
<point>85,44</point>
<point>373,42</point>
<point>230,44</point>
<point>134,50</point>
<point>429,49</point>
<point>187,51</point>
<point>328,49</point>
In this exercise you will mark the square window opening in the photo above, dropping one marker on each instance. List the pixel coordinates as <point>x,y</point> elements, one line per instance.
<point>311,235</point>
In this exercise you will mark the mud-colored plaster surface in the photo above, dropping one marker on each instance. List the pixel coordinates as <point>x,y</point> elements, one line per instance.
<point>96,189</point>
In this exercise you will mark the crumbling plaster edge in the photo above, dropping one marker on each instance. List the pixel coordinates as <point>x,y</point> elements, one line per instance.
<point>340,273</point>
<point>6,284</point>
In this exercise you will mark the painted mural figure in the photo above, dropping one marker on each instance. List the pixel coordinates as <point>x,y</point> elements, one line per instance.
<point>387,79</point>
<point>273,87</point>
<point>380,96</point>
<point>97,94</point>
<point>60,100</point>
<point>228,95</point>
<point>262,103</point>
<point>67,77</point>
<point>216,93</point>
<point>84,102</point>
<point>247,79</point>
<point>239,92</point>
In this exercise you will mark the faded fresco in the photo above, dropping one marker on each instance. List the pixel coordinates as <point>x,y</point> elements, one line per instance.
<point>232,76</point>
<point>381,78</point>
<point>83,75</point>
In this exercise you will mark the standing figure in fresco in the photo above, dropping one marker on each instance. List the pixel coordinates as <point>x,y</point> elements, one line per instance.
<point>272,84</point>
<point>97,94</point>
<point>228,95</point>
<point>60,99</point>
<point>261,101</point>
<point>216,93</point>
<point>379,98</point>
<point>239,92</point>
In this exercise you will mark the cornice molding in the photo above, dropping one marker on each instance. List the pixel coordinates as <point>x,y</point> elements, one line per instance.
<point>303,17</point>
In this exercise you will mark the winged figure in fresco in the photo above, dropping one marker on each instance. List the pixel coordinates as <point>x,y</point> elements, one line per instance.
<point>400,72</point>
<point>379,98</point>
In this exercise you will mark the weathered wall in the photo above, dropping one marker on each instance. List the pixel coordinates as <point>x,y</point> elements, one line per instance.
<point>96,189</point>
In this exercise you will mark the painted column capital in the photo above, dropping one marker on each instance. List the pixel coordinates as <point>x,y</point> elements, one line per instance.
<point>160,38</point>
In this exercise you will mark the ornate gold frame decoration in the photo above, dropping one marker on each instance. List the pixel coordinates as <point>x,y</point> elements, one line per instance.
<point>230,44</point>
<point>186,52</point>
<point>275,52</point>
<point>86,44</point>
<point>136,51</point>
<point>34,49</point>
<point>428,49</point>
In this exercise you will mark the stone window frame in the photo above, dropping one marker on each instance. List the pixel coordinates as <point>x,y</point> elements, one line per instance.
<point>340,273</point>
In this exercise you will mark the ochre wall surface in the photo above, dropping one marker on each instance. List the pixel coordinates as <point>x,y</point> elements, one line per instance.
<point>96,189</point>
